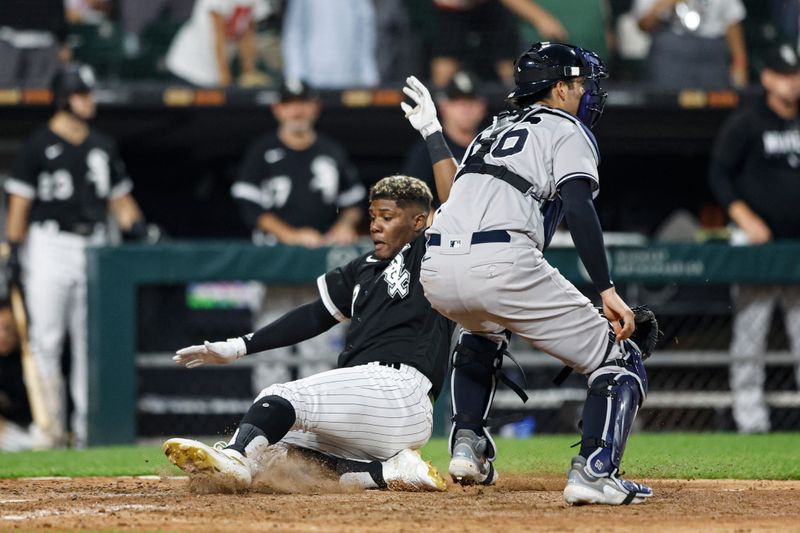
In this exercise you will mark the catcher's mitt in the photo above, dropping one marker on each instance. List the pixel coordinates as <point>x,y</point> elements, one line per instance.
<point>646,335</point>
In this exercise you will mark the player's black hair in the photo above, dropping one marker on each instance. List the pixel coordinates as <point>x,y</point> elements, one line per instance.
<point>403,190</point>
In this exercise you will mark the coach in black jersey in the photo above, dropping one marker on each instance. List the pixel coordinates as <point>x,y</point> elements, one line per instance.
<point>371,411</point>
<point>62,186</point>
<point>755,175</point>
<point>296,186</point>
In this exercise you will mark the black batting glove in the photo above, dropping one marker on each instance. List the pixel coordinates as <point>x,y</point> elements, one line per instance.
<point>13,267</point>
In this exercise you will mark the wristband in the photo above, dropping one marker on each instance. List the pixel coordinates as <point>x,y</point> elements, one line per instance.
<point>437,147</point>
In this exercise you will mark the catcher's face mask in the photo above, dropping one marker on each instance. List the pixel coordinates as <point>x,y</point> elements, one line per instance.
<point>593,100</point>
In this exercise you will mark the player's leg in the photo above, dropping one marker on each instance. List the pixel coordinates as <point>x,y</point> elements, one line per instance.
<point>368,412</point>
<point>365,412</point>
<point>753,308</point>
<point>79,363</point>
<point>534,301</point>
<point>47,299</point>
<point>451,280</point>
<point>616,392</point>
<point>405,471</point>
<point>476,362</point>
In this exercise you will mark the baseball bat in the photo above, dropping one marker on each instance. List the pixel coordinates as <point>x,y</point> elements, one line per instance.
<point>33,383</point>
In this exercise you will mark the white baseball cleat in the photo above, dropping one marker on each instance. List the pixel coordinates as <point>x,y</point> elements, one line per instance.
<point>408,471</point>
<point>583,488</point>
<point>194,457</point>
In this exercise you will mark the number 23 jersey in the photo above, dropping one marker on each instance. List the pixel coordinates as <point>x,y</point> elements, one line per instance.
<point>70,184</point>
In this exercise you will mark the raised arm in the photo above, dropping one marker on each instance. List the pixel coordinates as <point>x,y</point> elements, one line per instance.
<point>423,118</point>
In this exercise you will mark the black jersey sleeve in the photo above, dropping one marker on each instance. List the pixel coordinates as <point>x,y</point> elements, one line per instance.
<point>246,188</point>
<point>730,149</point>
<point>337,289</point>
<point>299,324</point>
<point>351,190</point>
<point>25,171</point>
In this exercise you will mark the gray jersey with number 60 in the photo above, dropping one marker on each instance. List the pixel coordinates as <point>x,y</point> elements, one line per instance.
<point>546,147</point>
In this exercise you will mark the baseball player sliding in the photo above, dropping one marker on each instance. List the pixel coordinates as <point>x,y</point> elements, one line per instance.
<point>484,267</point>
<point>368,414</point>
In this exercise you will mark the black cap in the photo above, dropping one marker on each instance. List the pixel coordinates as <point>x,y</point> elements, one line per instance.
<point>463,85</point>
<point>782,59</point>
<point>70,79</point>
<point>293,90</point>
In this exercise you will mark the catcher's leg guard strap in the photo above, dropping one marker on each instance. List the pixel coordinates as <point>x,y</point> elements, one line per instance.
<point>270,417</point>
<point>475,362</point>
<point>615,395</point>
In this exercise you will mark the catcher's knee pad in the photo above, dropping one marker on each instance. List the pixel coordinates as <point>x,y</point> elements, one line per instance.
<point>476,361</point>
<point>616,392</point>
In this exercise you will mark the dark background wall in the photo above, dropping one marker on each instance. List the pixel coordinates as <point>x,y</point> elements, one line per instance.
<point>655,149</point>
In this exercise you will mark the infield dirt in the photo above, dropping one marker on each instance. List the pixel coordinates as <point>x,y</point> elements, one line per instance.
<point>517,503</point>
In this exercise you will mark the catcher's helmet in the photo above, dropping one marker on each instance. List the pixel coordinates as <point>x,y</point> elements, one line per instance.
<point>544,64</point>
<point>72,78</point>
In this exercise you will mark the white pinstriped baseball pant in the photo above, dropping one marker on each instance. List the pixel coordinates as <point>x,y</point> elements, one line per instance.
<point>367,412</point>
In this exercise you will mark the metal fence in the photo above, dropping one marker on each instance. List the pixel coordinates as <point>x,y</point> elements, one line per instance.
<point>689,372</point>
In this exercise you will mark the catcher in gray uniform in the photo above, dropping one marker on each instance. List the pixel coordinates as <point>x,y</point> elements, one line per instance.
<point>484,267</point>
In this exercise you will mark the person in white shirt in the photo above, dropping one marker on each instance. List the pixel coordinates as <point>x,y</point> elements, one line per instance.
<point>204,46</point>
<point>696,43</point>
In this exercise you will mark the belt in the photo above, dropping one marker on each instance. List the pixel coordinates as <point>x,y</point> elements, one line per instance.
<point>479,237</point>
<point>397,366</point>
<point>84,229</point>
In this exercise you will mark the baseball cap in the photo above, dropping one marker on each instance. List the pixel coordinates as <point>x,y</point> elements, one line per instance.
<point>293,90</point>
<point>463,85</point>
<point>782,59</point>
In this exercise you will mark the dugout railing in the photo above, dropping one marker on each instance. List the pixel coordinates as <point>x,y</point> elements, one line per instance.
<point>687,284</point>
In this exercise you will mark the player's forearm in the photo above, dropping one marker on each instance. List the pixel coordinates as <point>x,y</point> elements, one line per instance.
<point>299,324</point>
<point>652,19</point>
<point>734,35</point>
<point>247,49</point>
<point>350,216</point>
<point>584,226</point>
<point>17,218</point>
<point>126,211</point>
<point>273,224</point>
<point>219,48</point>
<point>443,164</point>
<point>525,9</point>
<point>741,213</point>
